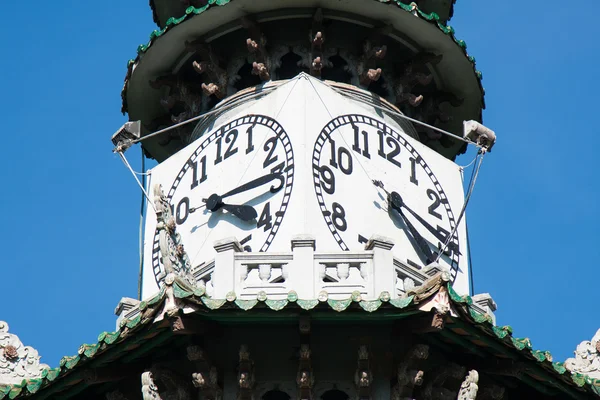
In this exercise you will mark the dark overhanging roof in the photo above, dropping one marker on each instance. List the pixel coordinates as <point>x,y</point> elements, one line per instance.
<point>466,329</point>
<point>443,8</point>
<point>193,11</point>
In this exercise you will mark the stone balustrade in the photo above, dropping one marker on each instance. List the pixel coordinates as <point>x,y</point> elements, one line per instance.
<point>310,273</point>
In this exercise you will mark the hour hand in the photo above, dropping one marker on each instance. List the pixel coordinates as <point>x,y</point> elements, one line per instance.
<point>398,204</point>
<point>215,201</point>
<point>243,212</point>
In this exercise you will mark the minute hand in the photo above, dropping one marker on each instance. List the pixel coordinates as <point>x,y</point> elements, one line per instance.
<point>253,184</point>
<point>442,238</point>
<point>214,202</point>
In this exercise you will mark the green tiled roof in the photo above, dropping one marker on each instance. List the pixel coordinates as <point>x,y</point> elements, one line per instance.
<point>191,11</point>
<point>143,329</point>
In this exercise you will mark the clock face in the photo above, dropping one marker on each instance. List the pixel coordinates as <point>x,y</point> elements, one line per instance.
<point>239,178</point>
<point>369,180</point>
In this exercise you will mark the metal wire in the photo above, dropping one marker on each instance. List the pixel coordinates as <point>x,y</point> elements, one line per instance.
<point>474,176</point>
<point>415,121</point>
<point>259,94</point>
<point>136,179</point>
<point>141,237</point>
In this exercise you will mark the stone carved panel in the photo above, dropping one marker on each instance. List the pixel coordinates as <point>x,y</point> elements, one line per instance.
<point>17,362</point>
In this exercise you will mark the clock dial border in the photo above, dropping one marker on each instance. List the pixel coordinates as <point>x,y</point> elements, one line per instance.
<point>350,119</point>
<point>288,173</point>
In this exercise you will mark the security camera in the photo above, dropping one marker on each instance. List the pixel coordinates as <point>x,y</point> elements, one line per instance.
<point>479,134</point>
<point>124,137</point>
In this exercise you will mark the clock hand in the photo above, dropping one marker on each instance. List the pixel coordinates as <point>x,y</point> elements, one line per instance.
<point>243,212</point>
<point>423,246</point>
<point>397,203</point>
<point>214,202</point>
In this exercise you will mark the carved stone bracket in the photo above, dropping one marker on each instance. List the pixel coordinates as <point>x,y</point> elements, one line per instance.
<point>412,76</point>
<point>587,358</point>
<point>149,388</point>
<point>445,382</point>
<point>209,66</point>
<point>318,59</point>
<point>173,386</point>
<point>367,69</point>
<point>256,45</point>
<point>206,377</point>
<point>173,256</point>
<point>17,362</point>
<point>410,372</point>
<point>305,379</point>
<point>363,377</point>
<point>468,389</point>
<point>245,375</point>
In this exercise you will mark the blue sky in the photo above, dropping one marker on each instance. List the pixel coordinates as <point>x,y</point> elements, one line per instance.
<point>71,210</point>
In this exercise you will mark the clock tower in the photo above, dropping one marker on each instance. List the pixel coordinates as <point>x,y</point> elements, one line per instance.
<point>314,158</point>
<point>305,233</point>
<point>338,121</point>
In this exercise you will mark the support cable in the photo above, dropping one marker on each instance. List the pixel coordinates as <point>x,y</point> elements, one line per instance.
<point>474,176</point>
<point>141,237</point>
<point>136,179</point>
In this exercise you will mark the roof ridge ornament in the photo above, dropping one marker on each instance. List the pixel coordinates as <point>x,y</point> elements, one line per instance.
<point>17,362</point>
<point>587,358</point>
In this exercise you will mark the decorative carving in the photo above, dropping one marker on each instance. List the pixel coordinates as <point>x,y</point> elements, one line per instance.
<point>468,389</point>
<point>245,375</point>
<point>17,362</point>
<point>305,378</point>
<point>173,387</point>
<point>256,45</point>
<point>587,358</point>
<point>444,385</point>
<point>411,77</point>
<point>149,388</point>
<point>409,375</point>
<point>210,67</point>
<point>367,65</point>
<point>363,377</point>
<point>173,256</point>
<point>318,60</point>
<point>206,378</point>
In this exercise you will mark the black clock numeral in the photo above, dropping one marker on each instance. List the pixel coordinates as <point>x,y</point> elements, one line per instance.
<point>250,147</point>
<point>343,160</point>
<point>230,138</point>
<point>265,218</point>
<point>270,146</point>
<point>278,169</point>
<point>327,180</point>
<point>339,217</point>
<point>182,211</point>
<point>194,166</point>
<point>436,203</point>
<point>413,171</point>
<point>396,151</point>
<point>392,143</point>
<point>381,151</point>
<point>356,146</point>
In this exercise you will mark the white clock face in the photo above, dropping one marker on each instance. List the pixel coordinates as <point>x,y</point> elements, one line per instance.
<point>238,181</point>
<point>368,180</point>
